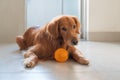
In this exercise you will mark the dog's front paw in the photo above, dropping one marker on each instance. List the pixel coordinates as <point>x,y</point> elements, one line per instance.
<point>29,63</point>
<point>83,61</point>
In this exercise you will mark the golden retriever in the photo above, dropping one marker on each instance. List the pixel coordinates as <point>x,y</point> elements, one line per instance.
<point>61,32</point>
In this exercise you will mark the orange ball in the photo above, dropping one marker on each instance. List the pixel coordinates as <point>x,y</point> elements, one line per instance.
<point>61,55</point>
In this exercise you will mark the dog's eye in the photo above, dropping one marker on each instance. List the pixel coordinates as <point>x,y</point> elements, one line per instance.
<point>64,29</point>
<point>74,26</point>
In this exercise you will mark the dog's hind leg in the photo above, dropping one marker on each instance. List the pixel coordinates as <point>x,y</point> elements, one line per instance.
<point>21,43</point>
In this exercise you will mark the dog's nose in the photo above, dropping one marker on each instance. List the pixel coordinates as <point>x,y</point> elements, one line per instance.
<point>74,42</point>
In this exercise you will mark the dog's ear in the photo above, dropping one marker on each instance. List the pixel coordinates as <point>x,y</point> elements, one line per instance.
<point>77,24</point>
<point>53,28</point>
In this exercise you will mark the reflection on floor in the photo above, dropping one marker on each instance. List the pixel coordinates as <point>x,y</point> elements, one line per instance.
<point>104,64</point>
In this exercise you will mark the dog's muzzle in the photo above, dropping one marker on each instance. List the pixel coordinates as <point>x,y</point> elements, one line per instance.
<point>74,42</point>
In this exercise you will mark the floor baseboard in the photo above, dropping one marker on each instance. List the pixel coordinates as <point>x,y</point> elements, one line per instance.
<point>104,36</point>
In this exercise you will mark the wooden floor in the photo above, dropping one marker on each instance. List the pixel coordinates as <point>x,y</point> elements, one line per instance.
<point>104,64</point>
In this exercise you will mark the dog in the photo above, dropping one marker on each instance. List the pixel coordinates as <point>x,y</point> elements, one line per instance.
<point>60,32</point>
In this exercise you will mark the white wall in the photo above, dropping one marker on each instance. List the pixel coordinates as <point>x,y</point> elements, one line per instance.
<point>104,15</point>
<point>12,19</point>
<point>104,20</point>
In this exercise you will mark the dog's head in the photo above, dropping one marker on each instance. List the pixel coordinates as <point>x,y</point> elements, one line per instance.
<point>67,27</point>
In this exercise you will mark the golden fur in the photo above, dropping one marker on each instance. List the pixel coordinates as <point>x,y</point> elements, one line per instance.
<point>61,32</point>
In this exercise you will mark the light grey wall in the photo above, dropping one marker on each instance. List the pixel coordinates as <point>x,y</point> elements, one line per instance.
<point>72,7</point>
<point>12,19</point>
<point>39,12</point>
